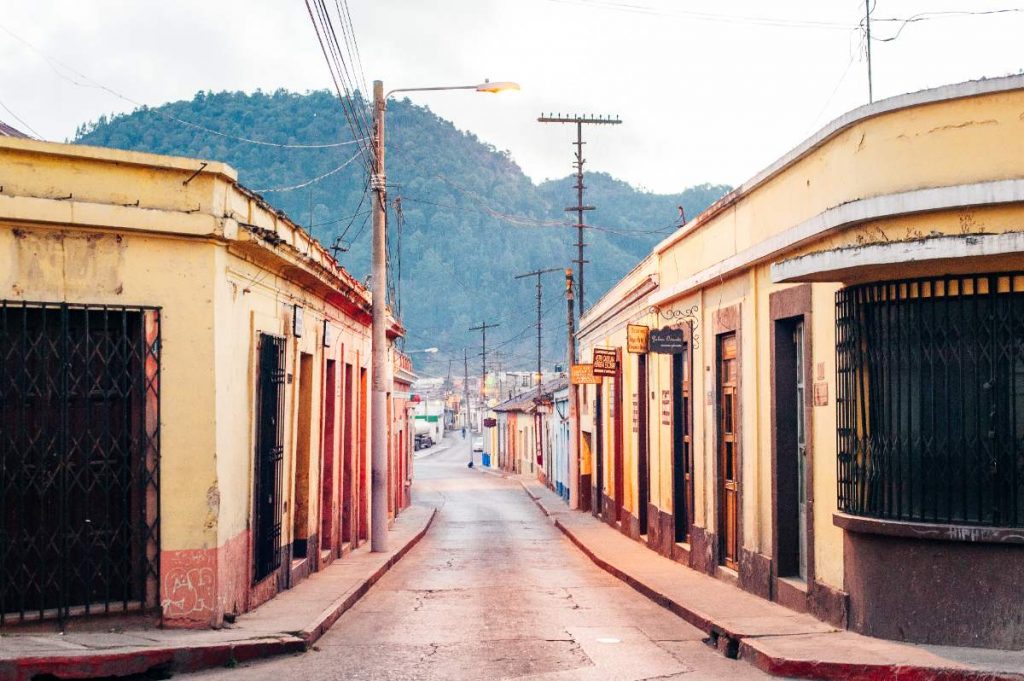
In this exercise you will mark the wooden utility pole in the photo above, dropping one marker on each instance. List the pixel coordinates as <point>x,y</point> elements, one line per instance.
<point>574,454</point>
<point>537,273</point>
<point>483,352</point>
<point>465,398</point>
<point>538,430</point>
<point>579,208</point>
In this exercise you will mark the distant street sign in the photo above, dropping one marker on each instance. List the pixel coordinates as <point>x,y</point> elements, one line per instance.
<point>605,362</point>
<point>583,374</point>
<point>636,338</point>
<point>667,341</point>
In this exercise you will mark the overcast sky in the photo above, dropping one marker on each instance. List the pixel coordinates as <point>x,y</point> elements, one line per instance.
<point>708,91</point>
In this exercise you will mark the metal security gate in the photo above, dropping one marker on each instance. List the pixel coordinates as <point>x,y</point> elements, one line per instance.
<point>930,399</point>
<point>79,460</point>
<point>269,458</point>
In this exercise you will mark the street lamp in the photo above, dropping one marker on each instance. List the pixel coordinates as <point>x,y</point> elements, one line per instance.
<point>381,372</point>
<point>428,350</point>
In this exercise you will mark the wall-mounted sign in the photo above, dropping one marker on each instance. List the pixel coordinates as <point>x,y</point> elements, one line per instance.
<point>605,362</point>
<point>667,341</point>
<point>328,334</point>
<point>490,423</point>
<point>297,321</point>
<point>636,338</point>
<point>583,374</point>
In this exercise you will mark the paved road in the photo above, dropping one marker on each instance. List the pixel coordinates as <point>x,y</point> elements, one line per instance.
<point>495,591</point>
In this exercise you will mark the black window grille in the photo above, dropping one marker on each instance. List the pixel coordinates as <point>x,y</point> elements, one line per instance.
<point>269,457</point>
<point>79,460</point>
<point>930,400</point>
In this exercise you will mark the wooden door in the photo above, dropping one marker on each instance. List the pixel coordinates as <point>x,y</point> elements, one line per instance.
<point>619,460</point>
<point>643,452</point>
<point>599,449</point>
<point>728,452</point>
<point>682,446</point>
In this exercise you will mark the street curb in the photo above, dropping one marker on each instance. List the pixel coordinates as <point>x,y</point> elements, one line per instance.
<point>747,648</point>
<point>820,669</point>
<point>204,656</point>
<point>327,618</point>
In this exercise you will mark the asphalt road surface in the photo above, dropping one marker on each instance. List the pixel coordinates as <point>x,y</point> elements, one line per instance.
<point>494,591</point>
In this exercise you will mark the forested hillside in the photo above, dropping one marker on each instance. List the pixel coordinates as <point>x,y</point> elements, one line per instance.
<point>470,219</point>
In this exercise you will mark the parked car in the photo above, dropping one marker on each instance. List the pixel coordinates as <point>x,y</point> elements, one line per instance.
<point>478,444</point>
<point>423,441</point>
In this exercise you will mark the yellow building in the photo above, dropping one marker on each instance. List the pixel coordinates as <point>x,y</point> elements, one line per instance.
<point>830,412</point>
<point>183,390</point>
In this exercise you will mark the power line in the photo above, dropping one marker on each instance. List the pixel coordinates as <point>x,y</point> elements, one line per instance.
<point>53,63</point>
<point>20,120</point>
<point>635,8</point>
<point>309,182</point>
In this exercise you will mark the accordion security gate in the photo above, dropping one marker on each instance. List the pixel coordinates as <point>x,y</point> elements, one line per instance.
<point>79,460</point>
<point>930,399</point>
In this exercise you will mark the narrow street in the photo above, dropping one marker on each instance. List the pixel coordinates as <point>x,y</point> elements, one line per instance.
<point>495,591</point>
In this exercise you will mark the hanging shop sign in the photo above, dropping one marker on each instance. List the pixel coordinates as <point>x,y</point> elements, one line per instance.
<point>583,374</point>
<point>605,362</point>
<point>636,338</point>
<point>667,341</point>
<point>490,423</point>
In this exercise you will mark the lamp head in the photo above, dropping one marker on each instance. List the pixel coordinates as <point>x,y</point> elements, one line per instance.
<point>497,86</point>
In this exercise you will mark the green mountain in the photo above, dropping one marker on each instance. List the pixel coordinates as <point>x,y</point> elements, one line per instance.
<point>469,221</point>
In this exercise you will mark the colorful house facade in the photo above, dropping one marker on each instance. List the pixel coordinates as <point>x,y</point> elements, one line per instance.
<point>828,410</point>
<point>184,378</point>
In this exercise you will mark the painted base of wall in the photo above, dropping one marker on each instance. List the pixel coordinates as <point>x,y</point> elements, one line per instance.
<point>939,592</point>
<point>197,586</point>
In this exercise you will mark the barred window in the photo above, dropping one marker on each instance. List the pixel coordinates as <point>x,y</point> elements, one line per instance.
<point>930,400</point>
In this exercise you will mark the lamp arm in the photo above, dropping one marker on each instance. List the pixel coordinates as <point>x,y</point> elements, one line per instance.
<point>431,89</point>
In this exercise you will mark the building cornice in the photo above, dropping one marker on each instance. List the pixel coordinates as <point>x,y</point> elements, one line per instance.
<point>944,93</point>
<point>845,216</point>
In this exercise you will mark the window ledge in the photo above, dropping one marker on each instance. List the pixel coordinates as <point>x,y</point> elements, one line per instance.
<point>932,531</point>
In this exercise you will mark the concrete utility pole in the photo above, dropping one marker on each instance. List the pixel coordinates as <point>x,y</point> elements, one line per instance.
<point>380,365</point>
<point>465,398</point>
<point>579,208</point>
<point>574,455</point>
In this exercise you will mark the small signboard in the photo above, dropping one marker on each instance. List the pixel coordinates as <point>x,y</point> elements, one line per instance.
<point>636,338</point>
<point>605,362</point>
<point>583,374</point>
<point>667,341</point>
<point>490,423</point>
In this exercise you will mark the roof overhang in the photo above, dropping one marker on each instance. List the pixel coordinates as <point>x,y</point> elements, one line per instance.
<point>958,254</point>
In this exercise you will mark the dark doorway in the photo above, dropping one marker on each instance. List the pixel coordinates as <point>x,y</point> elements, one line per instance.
<point>78,459</point>
<point>619,435</point>
<point>328,459</point>
<point>728,451</point>
<point>347,478</point>
<point>269,456</point>
<point>362,517</point>
<point>303,438</point>
<point>643,454</point>
<point>599,423</point>
<point>682,443</point>
<point>790,448</point>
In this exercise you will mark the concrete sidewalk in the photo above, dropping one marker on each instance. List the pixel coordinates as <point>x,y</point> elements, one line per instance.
<point>773,638</point>
<point>289,623</point>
